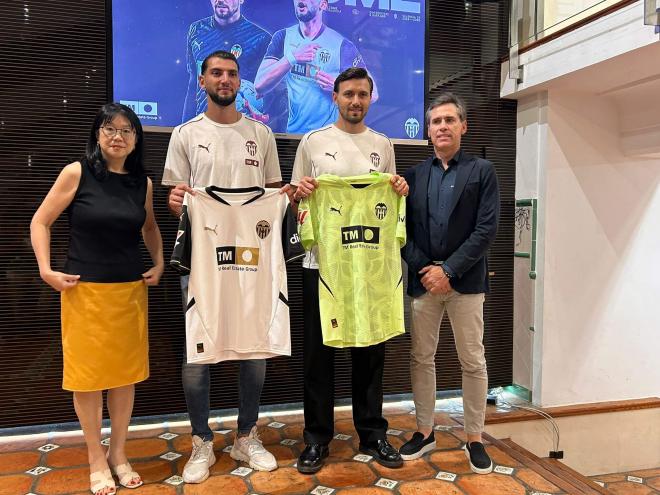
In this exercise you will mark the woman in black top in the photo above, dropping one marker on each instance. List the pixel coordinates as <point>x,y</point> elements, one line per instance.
<point>108,199</point>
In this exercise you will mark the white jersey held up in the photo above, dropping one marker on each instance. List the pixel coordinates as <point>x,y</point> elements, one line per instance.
<point>234,243</point>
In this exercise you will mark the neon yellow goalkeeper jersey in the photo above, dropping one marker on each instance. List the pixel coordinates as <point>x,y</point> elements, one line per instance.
<point>359,226</point>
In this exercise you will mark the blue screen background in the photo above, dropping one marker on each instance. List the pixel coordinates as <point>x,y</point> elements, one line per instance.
<point>149,54</point>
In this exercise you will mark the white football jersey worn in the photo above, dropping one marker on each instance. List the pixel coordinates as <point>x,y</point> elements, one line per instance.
<point>234,243</point>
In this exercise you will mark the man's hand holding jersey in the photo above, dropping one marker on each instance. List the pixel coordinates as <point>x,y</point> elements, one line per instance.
<point>175,198</point>
<point>399,185</point>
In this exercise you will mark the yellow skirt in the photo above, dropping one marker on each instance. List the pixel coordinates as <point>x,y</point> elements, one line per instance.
<point>104,335</point>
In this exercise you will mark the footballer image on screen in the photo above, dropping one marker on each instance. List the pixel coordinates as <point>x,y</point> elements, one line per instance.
<point>289,53</point>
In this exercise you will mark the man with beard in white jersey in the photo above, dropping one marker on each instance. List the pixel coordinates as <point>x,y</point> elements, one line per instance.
<point>308,56</point>
<point>224,148</point>
<point>347,147</point>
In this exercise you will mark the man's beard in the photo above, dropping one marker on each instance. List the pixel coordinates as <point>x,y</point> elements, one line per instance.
<point>223,101</point>
<point>346,115</point>
<point>228,15</point>
<point>308,16</point>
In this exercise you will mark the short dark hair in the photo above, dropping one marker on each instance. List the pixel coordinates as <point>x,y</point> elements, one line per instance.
<point>220,54</point>
<point>353,73</point>
<point>444,99</point>
<point>93,158</point>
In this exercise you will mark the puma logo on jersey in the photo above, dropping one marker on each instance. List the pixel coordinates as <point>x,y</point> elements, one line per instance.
<point>212,229</point>
<point>205,147</point>
<point>336,210</point>
<point>332,155</point>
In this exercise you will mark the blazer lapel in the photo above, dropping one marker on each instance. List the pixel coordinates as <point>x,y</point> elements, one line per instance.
<point>462,176</point>
<point>422,186</point>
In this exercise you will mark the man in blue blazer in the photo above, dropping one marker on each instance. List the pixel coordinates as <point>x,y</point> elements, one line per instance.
<point>452,211</point>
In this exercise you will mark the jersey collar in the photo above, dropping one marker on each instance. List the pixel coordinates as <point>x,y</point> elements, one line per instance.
<point>212,190</point>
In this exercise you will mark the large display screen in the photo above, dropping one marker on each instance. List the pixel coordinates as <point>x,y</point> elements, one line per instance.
<point>289,53</point>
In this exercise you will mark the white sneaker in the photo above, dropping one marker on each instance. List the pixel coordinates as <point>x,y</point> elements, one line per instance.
<point>250,449</point>
<point>196,469</point>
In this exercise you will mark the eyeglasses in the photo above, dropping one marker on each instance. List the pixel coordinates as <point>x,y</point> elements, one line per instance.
<point>111,132</point>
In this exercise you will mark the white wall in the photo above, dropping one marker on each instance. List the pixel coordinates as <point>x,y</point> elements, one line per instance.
<point>601,311</point>
<point>588,148</point>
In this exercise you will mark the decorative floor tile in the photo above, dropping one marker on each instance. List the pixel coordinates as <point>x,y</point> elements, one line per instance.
<point>635,479</point>
<point>445,476</point>
<point>395,433</point>
<point>223,432</point>
<point>341,436</point>
<point>322,490</point>
<point>503,470</point>
<point>241,471</point>
<point>283,481</point>
<point>175,480</point>
<point>386,483</point>
<point>276,424</point>
<point>362,458</point>
<point>346,474</point>
<point>105,441</point>
<point>38,470</point>
<point>170,456</point>
<point>48,447</point>
<point>168,436</point>
<point>289,441</point>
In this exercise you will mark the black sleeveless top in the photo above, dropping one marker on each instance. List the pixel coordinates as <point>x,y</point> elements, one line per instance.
<point>105,220</point>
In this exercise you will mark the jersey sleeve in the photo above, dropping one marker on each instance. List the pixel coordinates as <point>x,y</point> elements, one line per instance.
<point>306,224</point>
<point>177,165</point>
<point>302,165</point>
<point>190,60</point>
<point>390,164</point>
<point>401,220</point>
<point>181,255</point>
<point>291,246</point>
<point>272,170</point>
<point>350,56</point>
<point>275,49</point>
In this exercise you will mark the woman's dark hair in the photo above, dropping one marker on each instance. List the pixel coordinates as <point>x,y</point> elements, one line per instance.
<point>93,157</point>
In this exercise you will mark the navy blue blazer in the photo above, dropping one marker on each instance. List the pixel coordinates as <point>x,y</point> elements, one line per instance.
<point>472,226</point>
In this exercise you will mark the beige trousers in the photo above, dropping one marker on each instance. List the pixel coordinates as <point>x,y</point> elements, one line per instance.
<point>466,316</point>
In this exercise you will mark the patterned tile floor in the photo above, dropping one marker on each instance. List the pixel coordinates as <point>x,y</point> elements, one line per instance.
<point>158,455</point>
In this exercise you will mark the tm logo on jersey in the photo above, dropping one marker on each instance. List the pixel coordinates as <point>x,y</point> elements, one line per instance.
<point>237,258</point>
<point>360,234</point>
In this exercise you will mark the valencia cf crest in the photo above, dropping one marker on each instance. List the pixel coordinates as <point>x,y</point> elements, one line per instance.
<point>375,159</point>
<point>236,50</point>
<point>251,147</point>
<point>324,56</point>
<point>263,229</point>
<point>380,210</point>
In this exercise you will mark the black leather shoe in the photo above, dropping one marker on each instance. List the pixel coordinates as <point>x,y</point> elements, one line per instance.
<point>383,453</point>
<point>311,459</point>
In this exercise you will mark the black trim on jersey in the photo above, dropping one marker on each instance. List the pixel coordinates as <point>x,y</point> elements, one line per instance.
<point>192,121</point>
<point>210,190</point>
<point>284,299</point>
<point>325,285</point>
<point>191,303</point>
<point>399,282</point>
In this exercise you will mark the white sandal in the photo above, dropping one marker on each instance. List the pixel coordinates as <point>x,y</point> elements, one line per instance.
<point>125,474</point>
<point>100,480</point>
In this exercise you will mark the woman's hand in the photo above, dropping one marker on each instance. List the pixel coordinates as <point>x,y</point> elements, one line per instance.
<point>152,276</point>
<point>60,281</point>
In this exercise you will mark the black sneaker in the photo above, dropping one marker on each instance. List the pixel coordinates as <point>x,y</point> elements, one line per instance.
<point>480,463</point>
<point>383,453</point>
<point>417,446</point>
